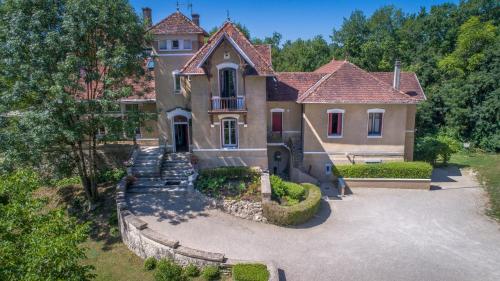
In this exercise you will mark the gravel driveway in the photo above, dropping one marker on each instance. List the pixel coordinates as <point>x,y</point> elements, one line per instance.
<point>373,234</point>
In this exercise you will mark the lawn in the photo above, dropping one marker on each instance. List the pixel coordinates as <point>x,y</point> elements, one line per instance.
<point>488,168</point>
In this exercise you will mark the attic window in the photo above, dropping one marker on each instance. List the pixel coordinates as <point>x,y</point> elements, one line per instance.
<point>227,55</point>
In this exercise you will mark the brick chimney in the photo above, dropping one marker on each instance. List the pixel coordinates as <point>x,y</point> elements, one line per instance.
<point>147,15</point>
<point>397,75</point>
<point>196,19</point>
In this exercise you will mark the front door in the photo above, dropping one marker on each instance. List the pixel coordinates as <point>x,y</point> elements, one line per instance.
<point>181,138</point>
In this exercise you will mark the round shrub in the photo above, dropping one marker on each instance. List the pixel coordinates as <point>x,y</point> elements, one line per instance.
<point>296,214</point>
<point>210,273</point>
<point>250,272</point>
<point>292,192</point>
<point>167,270</point>
<point>191,270</point>
<point>150,263</point>
<point>295,191</point>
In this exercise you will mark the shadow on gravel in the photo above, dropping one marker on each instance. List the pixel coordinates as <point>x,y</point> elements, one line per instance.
<point>323,214</point>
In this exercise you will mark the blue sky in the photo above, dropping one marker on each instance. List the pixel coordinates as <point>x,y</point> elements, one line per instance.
<point>292,18</point>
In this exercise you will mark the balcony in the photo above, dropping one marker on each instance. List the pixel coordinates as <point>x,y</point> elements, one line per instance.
<point>232,104</point>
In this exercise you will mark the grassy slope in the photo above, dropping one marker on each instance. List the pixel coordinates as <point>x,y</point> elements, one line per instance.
<point>488,167</point>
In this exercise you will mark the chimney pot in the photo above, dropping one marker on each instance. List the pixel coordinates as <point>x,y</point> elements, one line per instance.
<point>147,16</point>
<point>397,75</point>
<point>196,19</point>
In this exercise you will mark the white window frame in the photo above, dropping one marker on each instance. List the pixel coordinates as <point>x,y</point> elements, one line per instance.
<point>184,44</point>
<point>328,112</point>
<point>178,45</point>
<point>328,169</point>
<point>175,73</point>
<point>166,45</point>
<point>228,65</point>
<point>222,140</point>
<point>279,110</point>
<point>375,110</point>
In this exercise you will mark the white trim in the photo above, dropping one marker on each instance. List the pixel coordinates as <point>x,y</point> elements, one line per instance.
<point>328,168</point>
<point>409,131</point>
<point>376,110</point>
<point>236,128</point>
<point>332,111</point>
<point>227,65</point>
<point>276,144</point>
<point>231,41</point>
<point>229,149</point>
<point>174,55</point>
<point>277,110</point>
<point>235,116</point>
<point>291,132</point>
<point>129,101</point>
<point>357,153</point>
<point>178,111</point>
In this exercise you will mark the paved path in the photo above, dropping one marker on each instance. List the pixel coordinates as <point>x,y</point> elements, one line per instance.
<point>374,234</point>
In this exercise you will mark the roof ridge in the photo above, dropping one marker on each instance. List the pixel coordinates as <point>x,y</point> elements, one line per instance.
<point>184,16</point>
<point>311,90</point>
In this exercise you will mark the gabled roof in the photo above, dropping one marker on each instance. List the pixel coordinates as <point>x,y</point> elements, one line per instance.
<point>409,83</point>
<point>242,45</point>
<point>177,23</point>
<point>289,86</point>
<point>351,84</point>
<point>265,52</point>
<point>330,67</point>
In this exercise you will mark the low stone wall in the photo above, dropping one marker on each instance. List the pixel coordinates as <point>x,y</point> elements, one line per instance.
<point>244,209</point>
<point>388,183</point>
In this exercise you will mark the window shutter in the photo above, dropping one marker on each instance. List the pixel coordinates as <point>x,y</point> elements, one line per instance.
<point>340,116</point>
<point>330,123</point>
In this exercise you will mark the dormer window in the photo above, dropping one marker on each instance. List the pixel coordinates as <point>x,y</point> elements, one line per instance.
<point>175,44</point>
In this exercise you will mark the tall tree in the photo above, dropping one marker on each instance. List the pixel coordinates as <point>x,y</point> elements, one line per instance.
<point>70,61</point>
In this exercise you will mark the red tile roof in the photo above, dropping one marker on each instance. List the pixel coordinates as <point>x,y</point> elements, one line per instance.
<point>289,86</point>
<point>229,32</point>
<point>351,84</point>
<point>265,52</point>
<point>177,23</point>
<point>409,83</point>
<point>330,67</point>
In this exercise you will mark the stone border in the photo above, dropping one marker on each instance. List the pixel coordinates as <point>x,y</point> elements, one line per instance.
<point>388,183</point>
<point>146,242</point>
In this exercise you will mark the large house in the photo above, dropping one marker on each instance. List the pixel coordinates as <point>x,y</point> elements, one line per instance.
<point>220,99</point>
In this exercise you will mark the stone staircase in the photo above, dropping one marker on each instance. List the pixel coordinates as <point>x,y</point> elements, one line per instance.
<point>156,172</point>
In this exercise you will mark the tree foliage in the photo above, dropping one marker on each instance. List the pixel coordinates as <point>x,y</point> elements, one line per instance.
<point>36,243</point>
<point>65,64</point>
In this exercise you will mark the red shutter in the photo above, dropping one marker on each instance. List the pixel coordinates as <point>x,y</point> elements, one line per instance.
<point>330,123</point>
<point>277,121</point>
<point>340,116</point>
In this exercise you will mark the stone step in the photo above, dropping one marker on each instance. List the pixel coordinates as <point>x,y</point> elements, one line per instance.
<point>170,190</point>
<point>146,175</point>
<point>148,183</point>
<point>157,178</point>
<point>145,164</point>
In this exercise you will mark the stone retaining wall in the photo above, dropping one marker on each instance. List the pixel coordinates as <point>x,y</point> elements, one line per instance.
<point>145,242</point>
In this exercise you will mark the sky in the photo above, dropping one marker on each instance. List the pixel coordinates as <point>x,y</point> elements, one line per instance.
<point>293,18</point>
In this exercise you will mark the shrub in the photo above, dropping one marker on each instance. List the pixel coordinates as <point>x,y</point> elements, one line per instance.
<point>113,175</point>
<point>433,148</point>
<point>292,192</point>
<point>150,263</point>
<point>399,170</point>
<point>167,270</point>
<point>250,272</point>
<point>67,182</point>
<point>210,273</point>
<point>296,214</point>
<point>230,173</point>
<point>191,270</point>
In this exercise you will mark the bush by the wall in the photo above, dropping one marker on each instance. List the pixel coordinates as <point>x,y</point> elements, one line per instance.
<point>191,270</point>
<point>210,273</point>
<point>167,270</point>
<point>232,173</point>
<point>113,175</point>
<point>292,192</point>
<point>150,263</point>
<point>432,149</point>
<point>250,272</point>
<point>399,170</point>
<point>296,214</point>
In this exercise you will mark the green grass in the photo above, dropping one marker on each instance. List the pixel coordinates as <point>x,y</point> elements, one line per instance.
<point>488,168</point>
<point>115,262</point>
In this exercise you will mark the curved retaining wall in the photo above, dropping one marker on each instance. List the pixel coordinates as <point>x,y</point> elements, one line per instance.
<point>145,242</point>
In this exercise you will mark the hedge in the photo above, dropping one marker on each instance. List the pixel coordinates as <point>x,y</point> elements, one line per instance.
<point>282,189</point>
<point>233,173</point>
<point>296,214</point>
<point>398,170</point>
<point>250,272</point>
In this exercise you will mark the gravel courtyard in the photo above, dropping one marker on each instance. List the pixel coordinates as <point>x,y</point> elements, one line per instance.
<point>373,234</point>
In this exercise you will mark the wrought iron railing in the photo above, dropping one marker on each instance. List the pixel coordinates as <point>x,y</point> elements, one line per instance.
<point>228,104</point>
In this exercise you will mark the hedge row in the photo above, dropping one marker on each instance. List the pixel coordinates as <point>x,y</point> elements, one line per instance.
<point>296,214</point>
<point>250,272</point>
<point>235,173</point>
<point>399,170</point>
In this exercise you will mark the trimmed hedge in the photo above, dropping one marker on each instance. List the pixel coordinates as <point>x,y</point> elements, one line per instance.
<point>398,170</point>
<point>232,173</point>
<point>285,189</point>
<point>296,214</point>
<point>250,272</point>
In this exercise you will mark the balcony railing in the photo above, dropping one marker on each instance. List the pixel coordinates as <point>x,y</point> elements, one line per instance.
<point>228,104</point>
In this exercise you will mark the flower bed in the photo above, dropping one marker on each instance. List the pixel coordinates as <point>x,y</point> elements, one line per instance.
<point>295,214</point>
<point>240,183</point>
